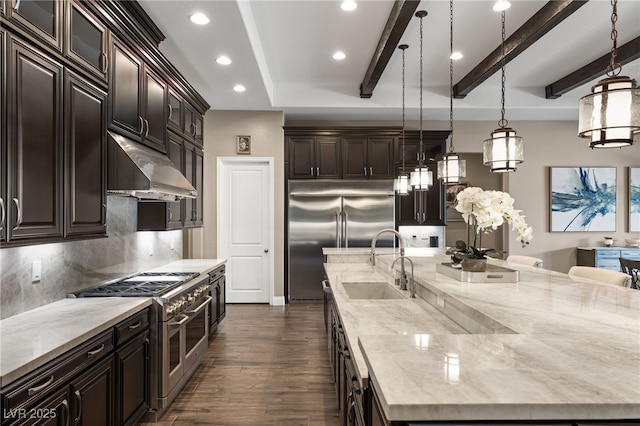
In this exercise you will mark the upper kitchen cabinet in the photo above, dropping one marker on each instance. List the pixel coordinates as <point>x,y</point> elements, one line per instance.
<point>3,134</point>
<point>86,41</point>
<point>176,112</point>
<point>192,127</point>
<point>40,19</point>
<point>194,172</point>
<point>138,98</point>
<point>314,157</point>
<point>85,157</point>
<point>34,162</point>
<point>368,157</point>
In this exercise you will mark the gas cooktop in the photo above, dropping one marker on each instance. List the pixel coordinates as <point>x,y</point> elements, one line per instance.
<point>145,284</point>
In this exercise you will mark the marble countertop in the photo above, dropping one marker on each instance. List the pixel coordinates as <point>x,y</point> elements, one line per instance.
<point>33,338</point>
<point>547,347</point>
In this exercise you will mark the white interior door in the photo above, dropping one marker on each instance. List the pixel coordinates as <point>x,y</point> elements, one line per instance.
<point>245,227</point>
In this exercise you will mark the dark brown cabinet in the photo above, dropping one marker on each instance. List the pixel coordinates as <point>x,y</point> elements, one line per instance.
<point>138,107</point>
<point>3,134</point>
<point>132,373</point>
<point>426,208</point>
<point>34,149</point>
<point>41,19</point>
<point>368,157</point>
<point>313,157</point>
<point>176,112</point>
<point>193,124</point>
<point>85,157</point>
<point>104,381</point>
<point>92,395</point>
<point>187,213</point>
<point>86,41</point>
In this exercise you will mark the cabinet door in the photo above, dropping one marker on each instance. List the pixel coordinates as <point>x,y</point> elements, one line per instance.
<point>85,151</point>
<point>355,158</point>
<point>35,151</point>
<point>176,155</point>
<point>302,157</point>
<point>86,40</point>
<point>199,182</point>
<point>198,126</point>
<point>93,394</point>
<point>380,158</point>
<point>328,158</point>
<point>427,208</point>
<point>133,379</point>
<point>3,135</point>
<point>174,119</point>
<point>154,111</point>
<point>124,91</point>
<point>187,124</point>
<point>39,18</point>
<point>189,163</point>
<point>222,300</point>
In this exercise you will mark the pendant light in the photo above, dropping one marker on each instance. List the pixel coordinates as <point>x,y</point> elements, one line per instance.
<point>402,186</point>
<point>610,115</point>
<point>504,150</point>
<point>421,177</point>
<point>451,168</point>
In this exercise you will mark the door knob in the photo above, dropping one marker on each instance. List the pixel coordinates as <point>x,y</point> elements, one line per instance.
<point>266,250</point>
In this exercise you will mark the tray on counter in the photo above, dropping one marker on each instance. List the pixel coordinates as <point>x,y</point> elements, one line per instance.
<point>493,274</point>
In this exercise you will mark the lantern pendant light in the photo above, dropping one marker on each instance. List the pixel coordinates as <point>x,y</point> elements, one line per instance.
<point>401,184</point>
<point>504,150</point>
<point>421,177</point>
<point>451,168</point>
<point>610,115</point>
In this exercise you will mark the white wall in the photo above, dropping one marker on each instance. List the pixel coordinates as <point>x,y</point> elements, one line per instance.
<point>267,140</point>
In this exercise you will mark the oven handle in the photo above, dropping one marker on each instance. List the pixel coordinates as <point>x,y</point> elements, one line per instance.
<point>182,321</point>
<point>195,311</point>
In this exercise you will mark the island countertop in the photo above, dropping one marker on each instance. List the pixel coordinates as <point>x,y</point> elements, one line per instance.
<point>547,347</point>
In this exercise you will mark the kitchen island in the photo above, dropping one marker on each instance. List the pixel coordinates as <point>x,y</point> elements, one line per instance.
<point>545,348</point>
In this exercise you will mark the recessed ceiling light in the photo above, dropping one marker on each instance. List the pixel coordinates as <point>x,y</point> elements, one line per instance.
<point>501,5</point>
<point>456,56</point>
<point>348,5</point>
<point>239,88</point>
<point>223,60</point>
<point>338,56</point>
<point>199,18</point>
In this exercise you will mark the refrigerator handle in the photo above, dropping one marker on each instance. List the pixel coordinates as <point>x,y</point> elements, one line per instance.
<point>346,229</point>
<point>338,230</point>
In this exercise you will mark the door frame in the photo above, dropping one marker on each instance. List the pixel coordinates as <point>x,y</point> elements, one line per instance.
<point>223,163</point>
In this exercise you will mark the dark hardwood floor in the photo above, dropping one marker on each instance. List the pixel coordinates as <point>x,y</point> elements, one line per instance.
<point>267,365</point>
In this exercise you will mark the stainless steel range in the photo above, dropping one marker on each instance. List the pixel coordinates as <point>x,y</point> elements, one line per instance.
<point>180,334</point>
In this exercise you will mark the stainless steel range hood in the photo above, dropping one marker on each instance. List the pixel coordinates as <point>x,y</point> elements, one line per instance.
<point>137,171</point>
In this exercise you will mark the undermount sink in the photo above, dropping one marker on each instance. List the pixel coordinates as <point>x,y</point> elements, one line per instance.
<point>371,290</point>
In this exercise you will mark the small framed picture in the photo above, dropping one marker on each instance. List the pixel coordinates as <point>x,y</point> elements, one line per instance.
<point>243,145</point>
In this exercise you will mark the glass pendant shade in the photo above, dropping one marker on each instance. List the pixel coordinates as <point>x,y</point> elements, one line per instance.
<point>401,184</point>
<point>421,178</point>
<point>503,151</point>
<point>451,168</point>
<point>610,115</point>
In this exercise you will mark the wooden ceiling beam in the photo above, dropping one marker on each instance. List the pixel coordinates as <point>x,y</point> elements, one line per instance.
<point>628,52</point>
<point>399,18</point>
<point>545,19</point>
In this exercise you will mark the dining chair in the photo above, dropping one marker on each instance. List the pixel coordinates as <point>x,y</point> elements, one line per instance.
<point>599,275</point>
<point>525,260</point>
<point>632,268</point>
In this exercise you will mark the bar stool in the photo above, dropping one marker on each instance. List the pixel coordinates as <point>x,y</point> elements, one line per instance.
<point>631,267</point>
<point>599,275</point>
<point>525,260</point>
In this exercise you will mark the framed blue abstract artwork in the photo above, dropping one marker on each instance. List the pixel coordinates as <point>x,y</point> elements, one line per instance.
<point>634,199</point>
<point>583,199</point>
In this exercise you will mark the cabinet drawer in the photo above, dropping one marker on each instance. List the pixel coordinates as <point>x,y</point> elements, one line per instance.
<point>216,274</point>
<point>57,372</point>
<point>630,254</point>
<point>132,326</point>
<point>607,254</point>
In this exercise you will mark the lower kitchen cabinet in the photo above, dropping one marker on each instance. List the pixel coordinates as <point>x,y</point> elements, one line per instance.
<point>101,382</point>
<point>606,258</point>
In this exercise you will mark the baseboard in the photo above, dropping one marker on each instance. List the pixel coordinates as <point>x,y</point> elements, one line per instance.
<point>277,301</point>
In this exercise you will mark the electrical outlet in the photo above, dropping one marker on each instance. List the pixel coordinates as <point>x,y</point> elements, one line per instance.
<point>36,271</point>
<point>424,236</point>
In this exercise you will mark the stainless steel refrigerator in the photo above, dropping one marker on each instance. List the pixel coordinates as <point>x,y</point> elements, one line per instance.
<point>333,213</point>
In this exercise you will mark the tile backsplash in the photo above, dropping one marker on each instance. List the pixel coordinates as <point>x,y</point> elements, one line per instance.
<point>73,266</point>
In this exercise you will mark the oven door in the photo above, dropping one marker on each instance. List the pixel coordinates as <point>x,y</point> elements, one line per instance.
<point>196,333</point>
<point>172,362</point>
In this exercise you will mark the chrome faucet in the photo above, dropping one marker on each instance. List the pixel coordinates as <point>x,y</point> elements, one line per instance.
<point>375,240</point>
<point>403,275</point>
